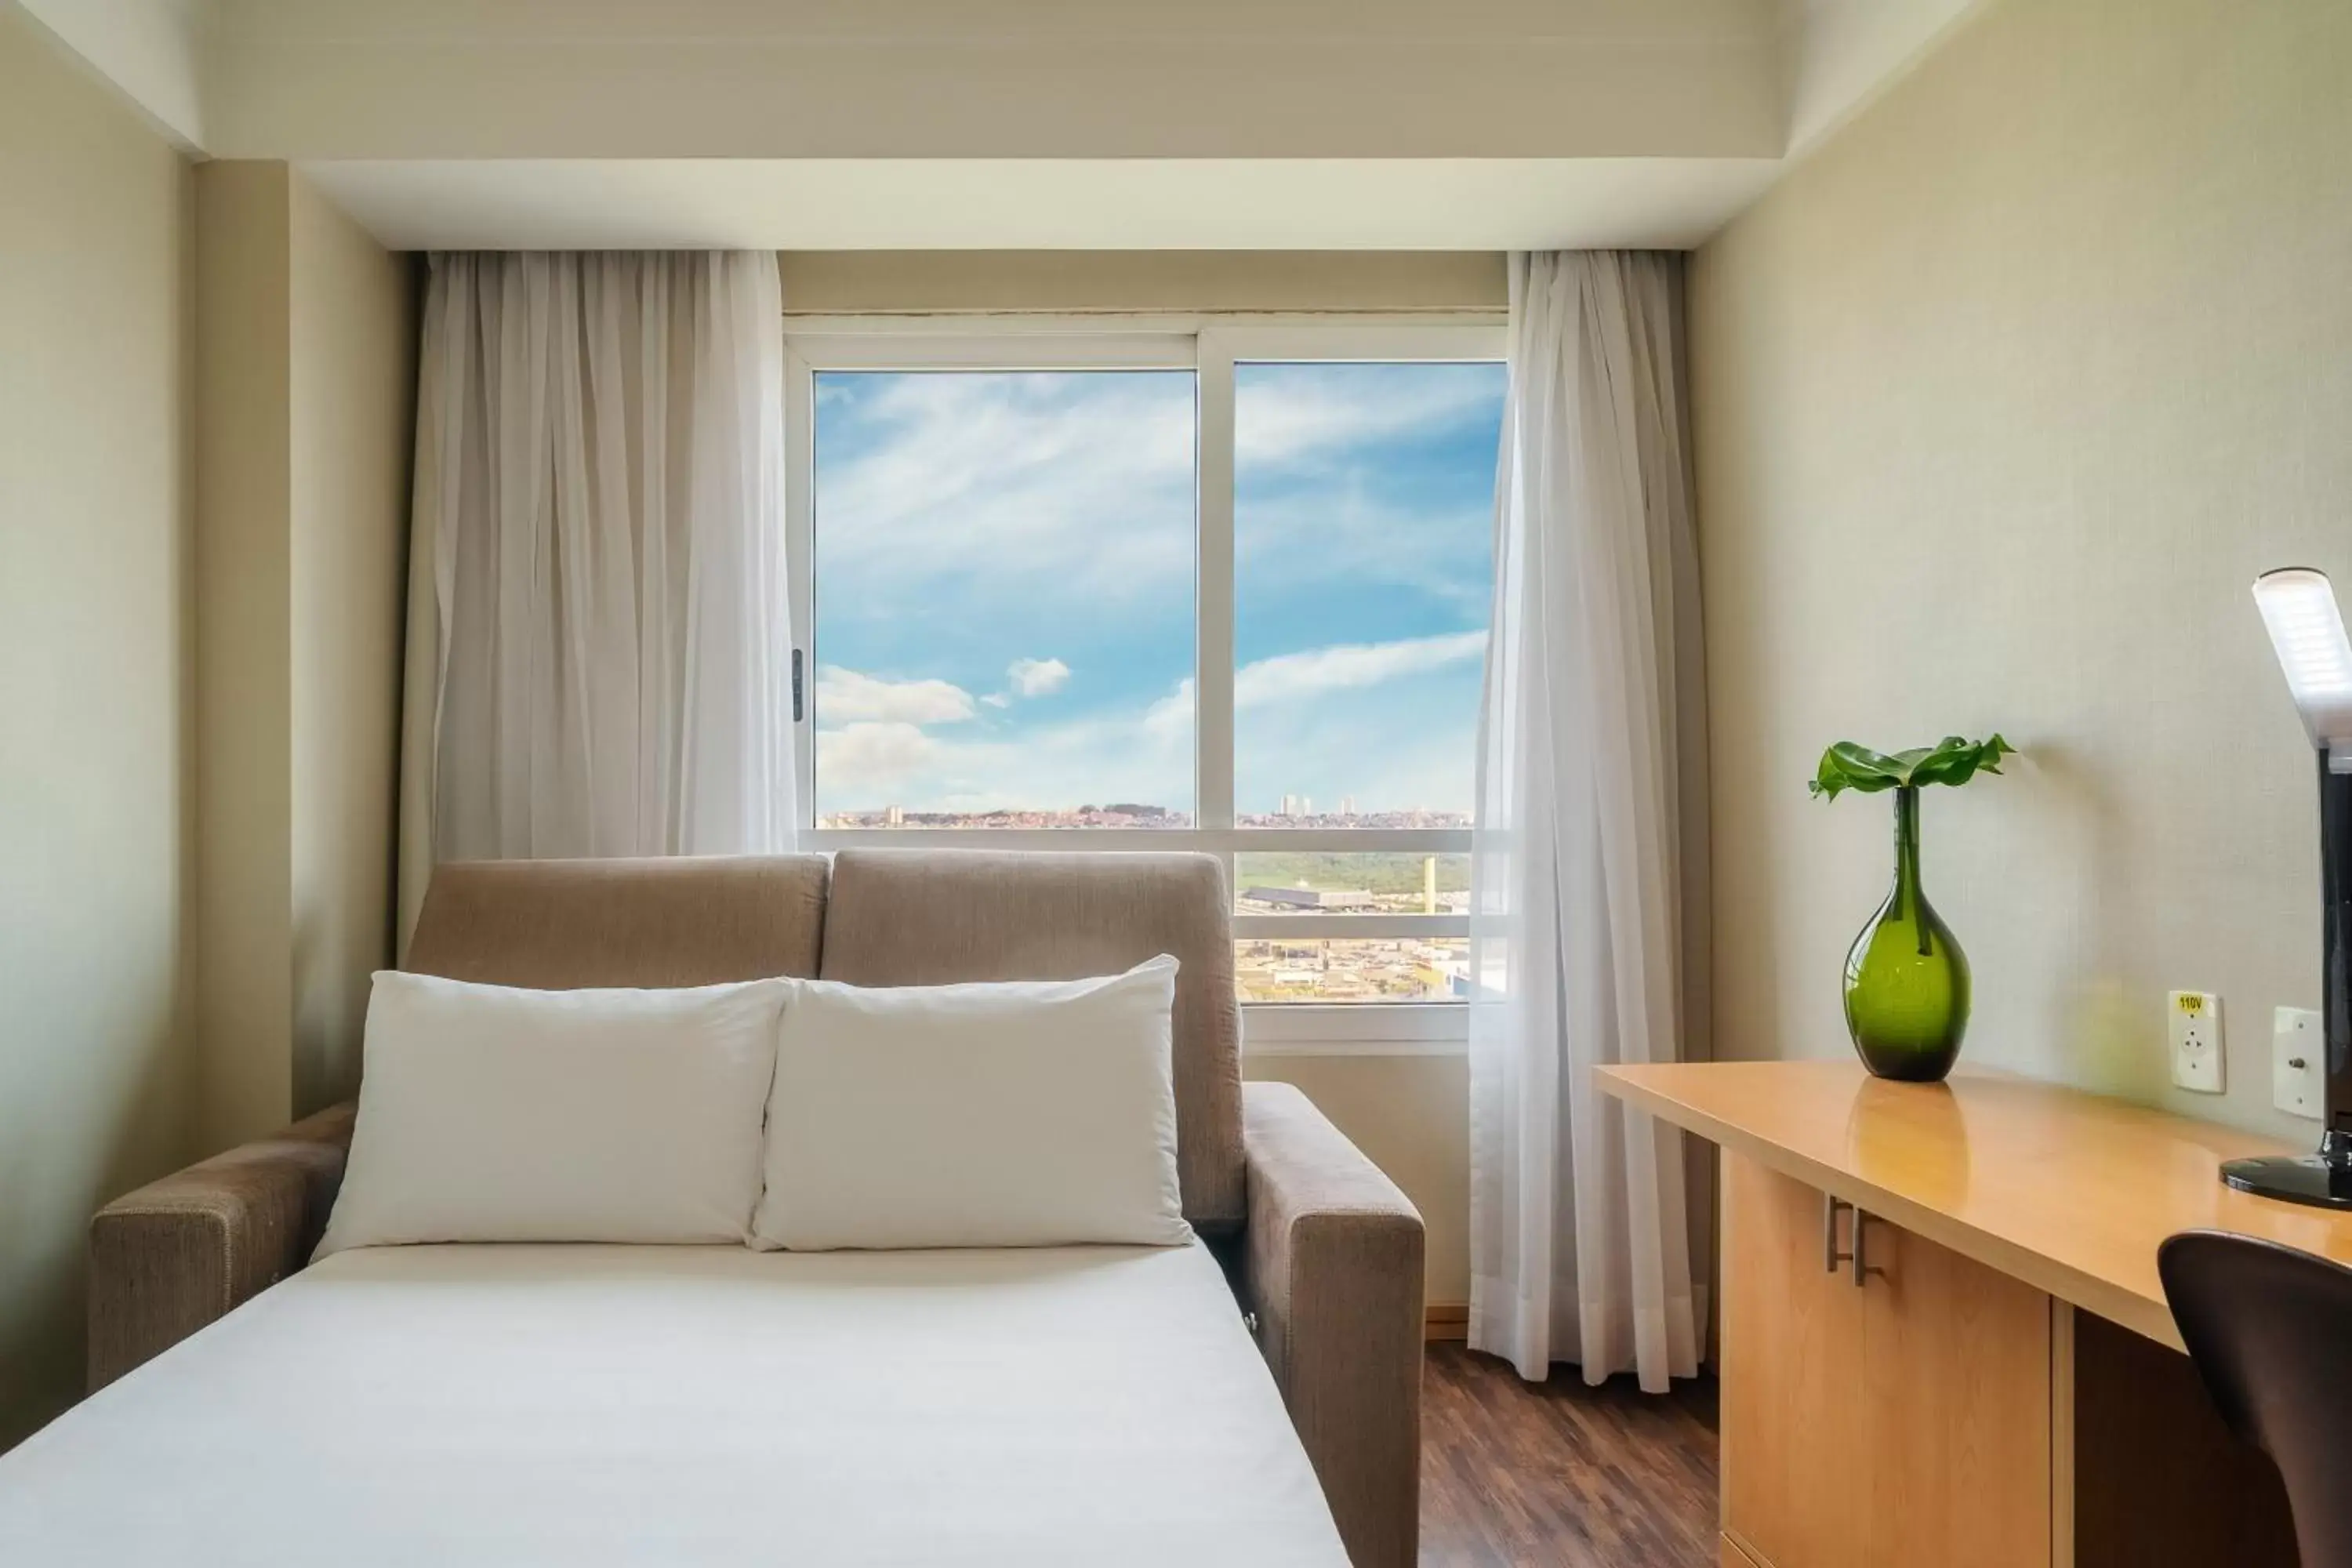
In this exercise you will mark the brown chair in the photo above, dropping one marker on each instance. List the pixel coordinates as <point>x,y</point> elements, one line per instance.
<point>2270,1330</point>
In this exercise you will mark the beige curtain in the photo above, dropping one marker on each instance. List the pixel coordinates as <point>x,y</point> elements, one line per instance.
<point>599,649</point>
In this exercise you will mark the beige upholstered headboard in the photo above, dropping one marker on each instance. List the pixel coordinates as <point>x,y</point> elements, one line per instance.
<point>931,917</point>
<point>559,925</point>
<point>892,917</point>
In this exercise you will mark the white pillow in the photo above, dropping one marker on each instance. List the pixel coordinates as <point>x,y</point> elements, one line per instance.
<point>493,1114</point>
<point>1024,1114</point>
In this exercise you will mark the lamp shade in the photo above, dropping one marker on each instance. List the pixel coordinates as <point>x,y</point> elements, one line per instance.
<point>2306,629</point>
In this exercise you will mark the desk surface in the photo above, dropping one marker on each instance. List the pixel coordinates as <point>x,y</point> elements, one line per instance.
<point>2066,1190</point>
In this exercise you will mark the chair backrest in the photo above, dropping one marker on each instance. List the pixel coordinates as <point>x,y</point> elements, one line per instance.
<point>933,917</point>
<point>2270,1330</point>
<point>562,925</point>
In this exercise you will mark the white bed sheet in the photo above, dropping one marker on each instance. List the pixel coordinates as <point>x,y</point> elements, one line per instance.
<point>691,1406</point>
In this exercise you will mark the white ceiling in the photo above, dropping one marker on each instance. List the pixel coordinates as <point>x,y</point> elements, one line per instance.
<point>1099,124</point>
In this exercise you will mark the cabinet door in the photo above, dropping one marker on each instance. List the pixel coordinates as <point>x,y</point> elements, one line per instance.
<point>1955,1410</point>
<point>1732,1556</point>
<point>1793,1355</point>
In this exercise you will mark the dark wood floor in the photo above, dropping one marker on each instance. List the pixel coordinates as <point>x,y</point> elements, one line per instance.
<point>1558,1474</point>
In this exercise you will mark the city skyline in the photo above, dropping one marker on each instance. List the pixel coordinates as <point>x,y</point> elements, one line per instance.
<point>1277,971</point>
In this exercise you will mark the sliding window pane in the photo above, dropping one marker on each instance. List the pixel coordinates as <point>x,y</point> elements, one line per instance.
<point>1363,516</point>
<point>1352,969</point>
<point>1350,882</point>
<point>1005,588</point>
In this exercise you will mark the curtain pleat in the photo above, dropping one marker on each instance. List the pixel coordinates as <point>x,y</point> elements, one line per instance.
<point>1588,845</point>
<point>598,618</point>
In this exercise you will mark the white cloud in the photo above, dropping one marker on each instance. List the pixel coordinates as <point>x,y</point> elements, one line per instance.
<point>1387,751</point>
<point>1334,537</point>
<point>1080,481</point>
<point>1348,743</point>
<point>997,699</point>
<point>1037,677</point>
<point>1134,755</point>
<point>852,696</point>
<point>1288,677</point>
<point>864,758</point>
<point>1170,718</point>
<point>1007,496</point>
<point>1313,722</point>
<point>1292,416</point>
<point>1327,500</point>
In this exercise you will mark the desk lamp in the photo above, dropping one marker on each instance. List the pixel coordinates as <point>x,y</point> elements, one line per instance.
<point>2308,630</point>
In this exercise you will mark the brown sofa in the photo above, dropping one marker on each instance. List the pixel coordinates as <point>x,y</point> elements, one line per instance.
<point>1325,1251</point>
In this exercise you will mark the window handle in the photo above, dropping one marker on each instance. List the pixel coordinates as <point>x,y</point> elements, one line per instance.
<point>798,710</point>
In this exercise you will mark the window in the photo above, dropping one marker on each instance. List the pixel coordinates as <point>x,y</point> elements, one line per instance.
<point>1363,507</point>
<point>1224,587</point>
<point>1003,585</point>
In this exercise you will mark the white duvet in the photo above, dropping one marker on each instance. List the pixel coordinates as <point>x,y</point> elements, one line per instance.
<point>691,1406</point>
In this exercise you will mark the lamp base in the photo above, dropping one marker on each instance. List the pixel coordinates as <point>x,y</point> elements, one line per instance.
<point>2294,1178</point>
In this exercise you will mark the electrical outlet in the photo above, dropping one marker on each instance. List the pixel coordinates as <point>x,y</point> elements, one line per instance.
<point>2196,1040</point>
<point>2297,1062</point>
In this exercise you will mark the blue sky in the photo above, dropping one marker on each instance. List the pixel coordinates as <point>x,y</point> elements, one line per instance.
<point>1005,586</point>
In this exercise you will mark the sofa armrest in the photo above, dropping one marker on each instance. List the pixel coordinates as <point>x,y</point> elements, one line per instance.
<point>182,1251</point>
<point>1332,1268</point>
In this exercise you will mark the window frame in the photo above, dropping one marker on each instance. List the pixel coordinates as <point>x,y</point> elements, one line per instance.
<point>1210,346</point>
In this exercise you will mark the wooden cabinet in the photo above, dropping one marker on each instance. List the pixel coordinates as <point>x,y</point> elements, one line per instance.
<point>1902,1418</point>
<point>1956,1408</point>
<point>1733,1557</point>
<point>2009,1390</point>
<point>1791,1414</point>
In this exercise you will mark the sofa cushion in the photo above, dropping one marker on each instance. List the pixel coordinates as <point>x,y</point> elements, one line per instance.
<point>559,925</point>
<point>935,917</point>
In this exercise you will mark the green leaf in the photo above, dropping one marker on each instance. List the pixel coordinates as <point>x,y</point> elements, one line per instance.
<point>1848,766</point>
<point>1951,761</point>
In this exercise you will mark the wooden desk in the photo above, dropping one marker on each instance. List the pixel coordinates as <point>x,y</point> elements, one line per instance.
<point>1971,1399</point>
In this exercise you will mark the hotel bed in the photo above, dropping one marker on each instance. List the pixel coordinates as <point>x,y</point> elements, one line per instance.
<point>691,1406</point>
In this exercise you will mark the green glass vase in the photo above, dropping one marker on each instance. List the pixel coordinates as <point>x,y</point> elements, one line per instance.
<point>1906,981</point>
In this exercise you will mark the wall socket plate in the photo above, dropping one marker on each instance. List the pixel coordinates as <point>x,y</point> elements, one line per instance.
<point>2196,1034</point>
<point>2298,1063</point>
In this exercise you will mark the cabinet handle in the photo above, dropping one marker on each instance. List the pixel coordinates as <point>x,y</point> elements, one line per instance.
<point>1861,1269</point>
<point>1830,1256</point>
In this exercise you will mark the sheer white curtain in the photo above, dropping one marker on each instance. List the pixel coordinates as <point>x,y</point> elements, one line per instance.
<point>599,643</point>
<point>1588,896</point>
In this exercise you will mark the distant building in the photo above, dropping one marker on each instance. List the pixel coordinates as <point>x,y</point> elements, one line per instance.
<point>1321,899</point>
<point>894,817</point>
<point>1346,806</point>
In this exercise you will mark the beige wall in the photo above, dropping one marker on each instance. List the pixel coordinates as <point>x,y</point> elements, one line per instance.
<point>2002,399</point>
<point>243,667</point>
<point>1411,1115</point>
<point>352,343</point>
<point>846,282</point>
<point>306,330</point>
<point>94,666</point>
